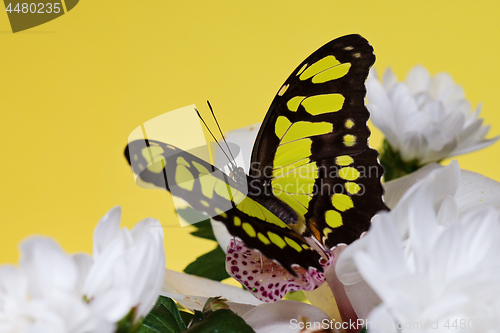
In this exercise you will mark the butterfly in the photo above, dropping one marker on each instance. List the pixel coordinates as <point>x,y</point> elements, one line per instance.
<point>313,183</point>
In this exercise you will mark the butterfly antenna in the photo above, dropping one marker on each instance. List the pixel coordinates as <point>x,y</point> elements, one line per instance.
<point>222,134</point>
<point>204,123</point>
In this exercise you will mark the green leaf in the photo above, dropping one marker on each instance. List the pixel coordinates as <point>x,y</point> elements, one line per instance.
<point>221,321</point>
<point>394,165</point>
<point>186,317</point>
<point>197,317</point>
<point>126,324</point>
<point>204,227</point>
<point>204,230</point>
<point>163,318</point>
<point>172,307</point>
<point>363,330</point>
<point>211,265</point>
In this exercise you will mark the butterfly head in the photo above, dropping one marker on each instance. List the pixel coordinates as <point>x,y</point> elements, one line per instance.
<point>238,175</point>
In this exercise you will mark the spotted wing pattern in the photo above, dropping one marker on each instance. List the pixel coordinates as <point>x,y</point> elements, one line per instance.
<point>312,149</point>
<point>210,191</point>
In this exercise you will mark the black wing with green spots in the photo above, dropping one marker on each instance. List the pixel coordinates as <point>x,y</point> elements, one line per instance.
<point>312,149</point>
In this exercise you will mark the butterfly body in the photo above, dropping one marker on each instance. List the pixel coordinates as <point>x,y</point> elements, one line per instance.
<point>312,177</point>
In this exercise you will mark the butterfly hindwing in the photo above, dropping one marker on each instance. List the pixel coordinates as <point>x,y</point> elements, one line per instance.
<point>348,197</point>
<point>275,242</point>
<point>210,191</point>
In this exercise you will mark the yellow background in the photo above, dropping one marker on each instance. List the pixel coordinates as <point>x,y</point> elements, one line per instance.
<point>73,89</point>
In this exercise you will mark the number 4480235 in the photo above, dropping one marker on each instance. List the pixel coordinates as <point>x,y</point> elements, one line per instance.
<point>39,8</point>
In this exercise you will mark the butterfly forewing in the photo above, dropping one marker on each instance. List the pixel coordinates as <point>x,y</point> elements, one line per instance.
<point>313,145</point>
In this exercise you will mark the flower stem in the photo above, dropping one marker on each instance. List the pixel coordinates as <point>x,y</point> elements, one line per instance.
<point>347,313</point>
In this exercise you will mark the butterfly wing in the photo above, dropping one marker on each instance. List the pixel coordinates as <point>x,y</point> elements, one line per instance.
<point>312,150</point>
<point>210,191</point>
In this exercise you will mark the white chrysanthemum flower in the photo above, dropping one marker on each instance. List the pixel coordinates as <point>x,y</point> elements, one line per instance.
<point>446,275</point>
<point>432,259</point>
<point>52,291</point>
<point>128,269</point>
<point>425,118</point>
<point>43,295</point>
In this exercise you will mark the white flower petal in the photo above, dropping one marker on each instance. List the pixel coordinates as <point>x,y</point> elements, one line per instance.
<point>448,212</point>
<point>112,304</point>
<point>182,283</point>
<point>147,257</point>
<point>284,316</point>
<point>109,269</point>
<point>133,261</point>
<point>389,79</point>
<point>411,143</point>
<point>477,191</point>
<point>83,263</point>
<point>477,146</point>
<point>387,252</point>
<point>404,103</point>
<point>443,181</point>
<point>433,155</point>
<point>379,97</point>
<point>49,269</point>
<point>362,297</point>
<point>146,228</point>
<point>221,234</point>
<point>13,284</point>
<point>380,320</point>
<point>345,267</point>
<point>418,80</point>
<point>381,109</point>
<point>395,189</point>
<point>182,287</point>
<point>454,123</point>
<point>107,229</point>
<point>74,314</point>
<point>440,84</point>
